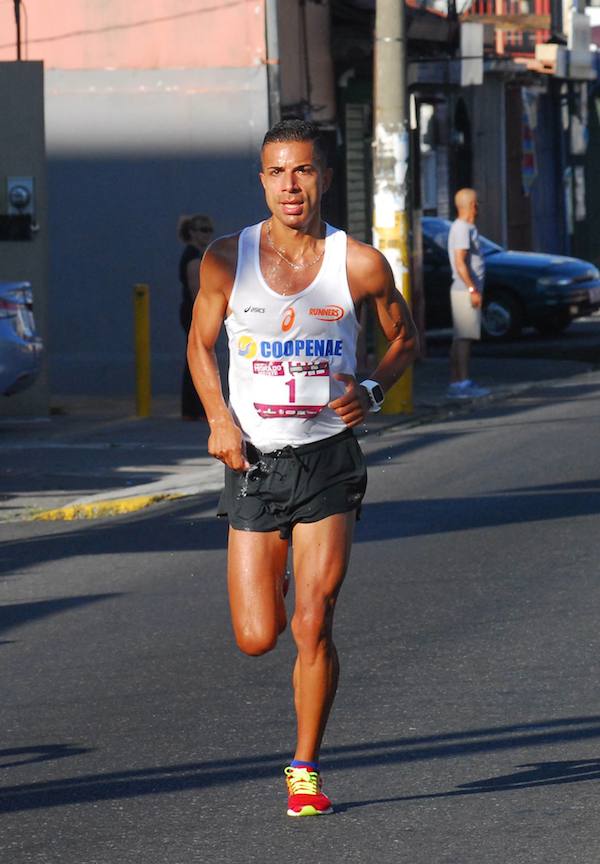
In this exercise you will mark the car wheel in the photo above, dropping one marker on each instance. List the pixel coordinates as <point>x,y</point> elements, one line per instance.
<point>502,316</point>
<point>553,325</point>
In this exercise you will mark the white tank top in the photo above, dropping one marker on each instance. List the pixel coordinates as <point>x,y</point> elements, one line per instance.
<point>284,350</point>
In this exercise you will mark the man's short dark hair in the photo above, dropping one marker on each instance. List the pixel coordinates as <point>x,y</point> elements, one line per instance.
<point>297,130</point>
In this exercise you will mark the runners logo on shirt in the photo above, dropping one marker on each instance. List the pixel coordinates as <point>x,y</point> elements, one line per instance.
<point>326,313</point>
<point>246,347</point>
<point>288,320</point>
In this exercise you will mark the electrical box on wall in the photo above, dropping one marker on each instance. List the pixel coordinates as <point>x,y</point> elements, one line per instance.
<point>20,196</point>
<point>18,222</point>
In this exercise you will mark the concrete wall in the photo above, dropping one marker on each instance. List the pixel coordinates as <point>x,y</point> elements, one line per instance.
<point>22,155</point>
<point>129,151</point>
<point>154,108</point>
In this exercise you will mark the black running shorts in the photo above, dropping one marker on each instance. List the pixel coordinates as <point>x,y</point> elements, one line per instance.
<point>295,484</point>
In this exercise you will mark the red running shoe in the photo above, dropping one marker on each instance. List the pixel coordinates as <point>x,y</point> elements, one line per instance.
<point>304,793</point>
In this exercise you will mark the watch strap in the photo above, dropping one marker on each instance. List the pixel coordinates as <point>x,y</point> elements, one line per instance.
<point>375,393</point>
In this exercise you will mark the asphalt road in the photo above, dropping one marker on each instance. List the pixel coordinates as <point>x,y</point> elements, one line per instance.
<point>467,726</point>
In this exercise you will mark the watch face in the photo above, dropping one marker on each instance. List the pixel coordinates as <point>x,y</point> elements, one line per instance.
<point>377,394</point>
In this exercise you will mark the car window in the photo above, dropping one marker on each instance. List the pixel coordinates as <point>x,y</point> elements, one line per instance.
<point>436,230</point>
<point>440,238</point>
<point>488,247</point>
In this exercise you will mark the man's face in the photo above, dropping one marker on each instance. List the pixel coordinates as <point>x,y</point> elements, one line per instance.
<point>294,181</point>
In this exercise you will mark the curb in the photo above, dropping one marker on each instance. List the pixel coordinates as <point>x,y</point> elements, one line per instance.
<point>117,502</point>
<point>97,509</point>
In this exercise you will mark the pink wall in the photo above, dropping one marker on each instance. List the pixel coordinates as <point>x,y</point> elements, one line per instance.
<point>138,34</point>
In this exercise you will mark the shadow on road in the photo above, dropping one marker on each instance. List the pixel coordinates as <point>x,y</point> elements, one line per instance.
<point>539,774</point>
<point>175,527</point>
<point>170,779</point>
<point>387,520</point>
<point>42,753</point>
<point>16,614</point>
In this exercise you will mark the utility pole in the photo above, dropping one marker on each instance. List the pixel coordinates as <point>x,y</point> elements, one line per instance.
<point>390,165</point>
<point>272,60</point>
<point>17,4</point>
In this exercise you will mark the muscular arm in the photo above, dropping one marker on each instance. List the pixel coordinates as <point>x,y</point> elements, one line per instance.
<point>397,325</point>
<point>216,279</point>
<point>370,278</point>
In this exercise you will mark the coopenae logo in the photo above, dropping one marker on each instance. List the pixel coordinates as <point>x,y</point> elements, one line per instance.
<point>246,347</point>
<point>326,313</point>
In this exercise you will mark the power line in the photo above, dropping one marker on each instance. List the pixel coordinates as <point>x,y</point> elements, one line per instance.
<point>143,23</point>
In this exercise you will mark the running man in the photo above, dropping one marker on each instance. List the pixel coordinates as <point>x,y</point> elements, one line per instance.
<point>289,290</point>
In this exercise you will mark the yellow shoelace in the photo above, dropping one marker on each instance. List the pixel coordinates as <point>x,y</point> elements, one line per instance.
<point>301,781</point>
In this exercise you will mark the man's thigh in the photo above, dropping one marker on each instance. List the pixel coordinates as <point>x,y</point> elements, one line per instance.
<point>321,553</point>
<point>256,565</point>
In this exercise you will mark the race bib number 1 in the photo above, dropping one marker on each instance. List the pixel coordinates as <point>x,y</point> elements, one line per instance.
<point>291,388</point>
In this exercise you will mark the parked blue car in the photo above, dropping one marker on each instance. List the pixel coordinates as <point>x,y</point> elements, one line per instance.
<point>521,288</point>
<point>20,345</point>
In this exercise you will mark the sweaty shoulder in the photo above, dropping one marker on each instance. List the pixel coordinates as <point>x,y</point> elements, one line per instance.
<point>368,270</point>
<point>223,250</point>
<point>219,264</point>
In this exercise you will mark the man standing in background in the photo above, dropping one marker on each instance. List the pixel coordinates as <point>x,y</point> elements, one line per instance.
<point>466,294</point>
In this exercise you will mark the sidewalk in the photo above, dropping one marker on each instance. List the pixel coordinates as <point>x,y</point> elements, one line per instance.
<point>93,457</point>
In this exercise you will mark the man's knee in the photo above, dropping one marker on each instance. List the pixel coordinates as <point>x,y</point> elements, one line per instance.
<point>311,625</point>
<point>256,642</point>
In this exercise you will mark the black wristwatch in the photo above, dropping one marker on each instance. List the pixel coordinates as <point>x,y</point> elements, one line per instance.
<point>376,395</point>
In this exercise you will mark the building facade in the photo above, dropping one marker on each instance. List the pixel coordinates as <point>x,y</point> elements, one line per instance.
<point>152,111</point>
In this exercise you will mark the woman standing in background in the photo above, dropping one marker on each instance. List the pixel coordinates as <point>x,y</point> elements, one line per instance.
<point>196,232</point>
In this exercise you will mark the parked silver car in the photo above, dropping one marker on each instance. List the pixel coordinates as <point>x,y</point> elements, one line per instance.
<point>20,346</point>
